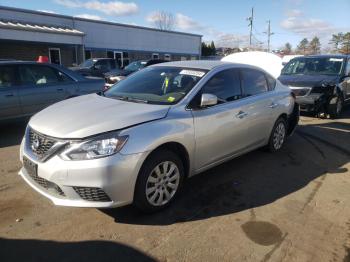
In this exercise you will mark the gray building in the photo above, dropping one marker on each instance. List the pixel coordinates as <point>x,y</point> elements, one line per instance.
<point>67,40</point>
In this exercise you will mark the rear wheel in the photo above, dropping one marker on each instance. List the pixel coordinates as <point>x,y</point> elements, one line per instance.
<point>159,181</point>
<point>335,106</point>
<point>278,135</point>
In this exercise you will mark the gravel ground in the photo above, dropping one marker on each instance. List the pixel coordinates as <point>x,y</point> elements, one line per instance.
<point>289,206</point>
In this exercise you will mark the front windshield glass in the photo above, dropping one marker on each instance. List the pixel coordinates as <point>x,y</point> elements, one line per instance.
<point>156,85</point>
<point>87,63</point>
<point>314,66</point>
<point>134,66</point>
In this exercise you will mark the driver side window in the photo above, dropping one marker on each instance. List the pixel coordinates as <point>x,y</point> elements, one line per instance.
<point>103,65</point>
<point>225,85</point>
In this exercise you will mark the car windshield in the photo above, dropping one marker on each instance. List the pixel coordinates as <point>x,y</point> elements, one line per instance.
<point>134,66</point>
<point>314,66</point>
<point>87,63</point>
<point>156,85</point>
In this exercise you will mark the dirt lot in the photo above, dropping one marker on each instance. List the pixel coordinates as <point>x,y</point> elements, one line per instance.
<point>290,206</point>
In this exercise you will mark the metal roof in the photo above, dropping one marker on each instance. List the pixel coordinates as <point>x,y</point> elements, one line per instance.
<point>16,25</point>
<point>94,21</point>
<point>197,64</point>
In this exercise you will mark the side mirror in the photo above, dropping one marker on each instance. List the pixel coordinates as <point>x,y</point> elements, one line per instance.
<point>208,100</point>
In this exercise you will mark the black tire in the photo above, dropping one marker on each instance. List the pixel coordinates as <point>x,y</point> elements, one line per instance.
<point>140,198</point>
<point>272,146</point>
<point>335,109</point>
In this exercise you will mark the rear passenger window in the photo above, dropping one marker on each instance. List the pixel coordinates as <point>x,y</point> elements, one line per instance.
<point>6,76</point>
<point>37,75</point>
<point>253,82</point>
<point>225,85</point>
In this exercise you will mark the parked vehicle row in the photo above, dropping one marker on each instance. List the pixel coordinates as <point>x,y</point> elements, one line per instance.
<point>140,140</point>
<point>116,75</point>
<point>28,87</point>
<point>96,67</point>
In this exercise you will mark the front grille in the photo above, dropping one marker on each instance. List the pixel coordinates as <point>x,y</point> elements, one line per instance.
<point>40,144</point>
<point>46,184</point>
<point>92,194</point>
<point>301,92</point>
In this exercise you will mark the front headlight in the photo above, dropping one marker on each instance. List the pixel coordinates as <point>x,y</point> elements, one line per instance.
<point>98,147</point>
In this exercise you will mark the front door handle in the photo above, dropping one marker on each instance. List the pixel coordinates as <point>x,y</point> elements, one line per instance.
<point>59,89</point>
<point>273,105</point>
<point>9,95</point>
<point>241,114</point>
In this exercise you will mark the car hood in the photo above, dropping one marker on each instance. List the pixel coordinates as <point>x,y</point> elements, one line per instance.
<point>80,70</point>
<point>118,72</point>
<point>307,80</point>
<point>89,115</point>
<point>75,68</point>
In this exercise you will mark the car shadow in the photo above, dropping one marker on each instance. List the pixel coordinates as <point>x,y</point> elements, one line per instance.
<point>344,115</point>
<point>43,251</point>
<point>11,133</point>
<point>253,180</point>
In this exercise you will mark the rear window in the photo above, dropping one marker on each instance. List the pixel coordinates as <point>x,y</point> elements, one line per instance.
<point>253,82</point>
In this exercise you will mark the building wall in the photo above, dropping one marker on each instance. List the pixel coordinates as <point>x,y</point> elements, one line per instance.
<point>104,34</point>
<point>136,55</point>
<point>126,38</point>
<point>31,51</point>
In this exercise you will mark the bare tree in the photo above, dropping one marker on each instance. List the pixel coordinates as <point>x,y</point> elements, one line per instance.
<point>163,20</point>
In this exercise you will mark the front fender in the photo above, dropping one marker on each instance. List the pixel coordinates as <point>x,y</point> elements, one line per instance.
<point>148,136</point>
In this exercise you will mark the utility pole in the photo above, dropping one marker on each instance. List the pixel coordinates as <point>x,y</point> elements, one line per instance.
<point>251,19</point>
<point>269,34</point>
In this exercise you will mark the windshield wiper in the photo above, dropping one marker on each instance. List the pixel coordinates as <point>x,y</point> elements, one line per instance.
<point>131,99</point>
<point>124,98</point>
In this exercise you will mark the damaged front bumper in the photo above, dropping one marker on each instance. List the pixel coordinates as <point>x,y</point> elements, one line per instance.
<point>312,102</point>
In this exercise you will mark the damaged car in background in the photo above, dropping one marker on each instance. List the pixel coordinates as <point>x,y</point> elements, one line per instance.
<point>321,83</point>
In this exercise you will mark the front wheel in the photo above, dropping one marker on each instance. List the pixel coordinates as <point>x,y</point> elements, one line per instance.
<point>335,108</point>
<point>159,181</point>
<point>278,135</point>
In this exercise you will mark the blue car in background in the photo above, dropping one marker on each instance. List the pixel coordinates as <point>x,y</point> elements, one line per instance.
<point>28,87</point>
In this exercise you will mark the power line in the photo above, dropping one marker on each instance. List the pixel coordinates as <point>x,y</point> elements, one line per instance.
<point>269,34</point>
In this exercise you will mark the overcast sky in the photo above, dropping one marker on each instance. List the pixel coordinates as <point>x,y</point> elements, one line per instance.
<point>222,21</point>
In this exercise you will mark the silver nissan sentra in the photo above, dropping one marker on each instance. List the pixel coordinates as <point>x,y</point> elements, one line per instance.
<point>139,141</point>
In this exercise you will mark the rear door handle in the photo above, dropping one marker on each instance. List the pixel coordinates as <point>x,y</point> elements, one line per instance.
<point>59,89</point>
<point>241,114</point>
<point>273,105</point>
<point>9,95</point>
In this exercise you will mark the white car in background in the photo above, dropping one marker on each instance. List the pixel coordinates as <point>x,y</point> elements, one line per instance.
<point>269,62</point>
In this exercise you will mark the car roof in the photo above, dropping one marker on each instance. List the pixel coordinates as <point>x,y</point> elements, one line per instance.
<point>197,64</point>
<point>327,55</point>
<point>7,62</point>
<point>100,58</point>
